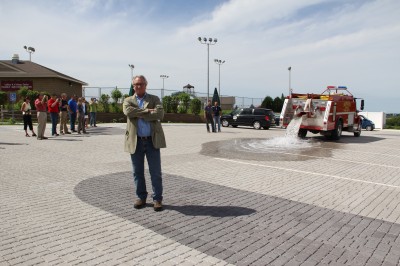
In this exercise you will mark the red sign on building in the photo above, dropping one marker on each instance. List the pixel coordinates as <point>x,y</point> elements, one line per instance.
<point>14,85</point>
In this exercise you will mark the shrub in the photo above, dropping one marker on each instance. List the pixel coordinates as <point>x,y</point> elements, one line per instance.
<point>195,106</point>
<point>115,108</point>
<point>184,100</point>
<point>174,104</point>
<point>3,98</point>
<point>393,122</point>
<point>167,104</point>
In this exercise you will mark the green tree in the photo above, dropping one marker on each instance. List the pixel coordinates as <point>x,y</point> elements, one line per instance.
<point>33,95</point>
<point>23,92</point>
<point>174,104</point>
<point>268,102</point>
<point>184,101</point>
<point>277,105</point>
<point>167,104</point>
<point>104,102</point>
<point>116,94</point>
<point>195,106</point>
<point>215,98</point>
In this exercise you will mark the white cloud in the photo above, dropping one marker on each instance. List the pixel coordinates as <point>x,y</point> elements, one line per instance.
<point>352,43</point>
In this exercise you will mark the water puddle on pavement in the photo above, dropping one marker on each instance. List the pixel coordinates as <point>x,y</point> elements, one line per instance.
<point>285,148</point>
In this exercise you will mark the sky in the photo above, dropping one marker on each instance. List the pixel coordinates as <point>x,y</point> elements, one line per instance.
<point>353,43</point>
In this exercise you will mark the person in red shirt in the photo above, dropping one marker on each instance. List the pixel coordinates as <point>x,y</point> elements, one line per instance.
<point>40,105</point>
<point>53,104</point>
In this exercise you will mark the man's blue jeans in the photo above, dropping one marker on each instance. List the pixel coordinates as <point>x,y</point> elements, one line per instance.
<point>54,121</point>
<point>153,156</point>
<point>72,119</point>
<point>93,118</point>
<point>217,121</point>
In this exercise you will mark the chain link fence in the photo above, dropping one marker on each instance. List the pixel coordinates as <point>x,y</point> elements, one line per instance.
<point>237,101</point>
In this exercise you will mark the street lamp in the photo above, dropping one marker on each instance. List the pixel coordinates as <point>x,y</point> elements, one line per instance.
<point>162,91</point>
<point>131,67</point>
<point>131,89</point>
<point>30,50</point>
<point>290,87</point>
<point>219,62</point>
<point>209,42</point>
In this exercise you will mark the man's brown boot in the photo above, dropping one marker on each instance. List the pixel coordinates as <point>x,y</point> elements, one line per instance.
<point>139,204</point>
<point>157,206</point>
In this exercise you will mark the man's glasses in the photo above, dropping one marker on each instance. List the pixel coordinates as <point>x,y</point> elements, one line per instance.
<point>139,84</point>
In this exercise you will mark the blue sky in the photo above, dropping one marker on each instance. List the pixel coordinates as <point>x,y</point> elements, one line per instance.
<point>342,42</point>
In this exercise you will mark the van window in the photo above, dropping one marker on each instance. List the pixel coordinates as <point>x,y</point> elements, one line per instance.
<point>259,112</point>
<point>246,111</point>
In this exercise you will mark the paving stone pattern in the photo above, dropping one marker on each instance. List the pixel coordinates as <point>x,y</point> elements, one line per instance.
<point>245,228</point>
<point>228,200</point>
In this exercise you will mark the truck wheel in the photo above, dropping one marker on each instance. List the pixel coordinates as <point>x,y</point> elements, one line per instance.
<point>225,123</point>
<point>302,133</point>
<point>358,132</point>
<point>256,125</point>
<point>337,132</point>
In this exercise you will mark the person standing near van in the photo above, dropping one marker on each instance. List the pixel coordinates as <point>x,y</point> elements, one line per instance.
<point>208,115</point>
<point>217,116</point>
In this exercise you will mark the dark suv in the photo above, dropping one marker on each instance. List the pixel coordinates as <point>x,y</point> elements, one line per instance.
<point>253,117</point>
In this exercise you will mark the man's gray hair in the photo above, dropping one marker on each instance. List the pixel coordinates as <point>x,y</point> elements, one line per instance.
<point>141,77</point>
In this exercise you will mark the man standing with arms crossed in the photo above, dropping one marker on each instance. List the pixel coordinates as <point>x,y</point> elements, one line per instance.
<point>144,137</point>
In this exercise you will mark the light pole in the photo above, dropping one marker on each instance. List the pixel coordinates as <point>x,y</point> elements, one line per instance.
<point>131,67</point>
<point>290,87</point>
<point>162,91</point>
<point>30,50</point>
<point>219,62</point>
<point>209,41</point>
<point>131,89</point>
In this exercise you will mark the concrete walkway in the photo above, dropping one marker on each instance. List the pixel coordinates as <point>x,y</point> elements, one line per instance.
<point>239,197</point>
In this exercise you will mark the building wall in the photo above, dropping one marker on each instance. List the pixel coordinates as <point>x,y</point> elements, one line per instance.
<point>52,85</point>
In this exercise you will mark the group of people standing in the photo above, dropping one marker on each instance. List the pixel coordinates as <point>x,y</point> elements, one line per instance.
<point>212,114</point>
<point>60,109</point>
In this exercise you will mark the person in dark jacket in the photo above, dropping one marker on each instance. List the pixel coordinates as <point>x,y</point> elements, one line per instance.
<point>208,115</point>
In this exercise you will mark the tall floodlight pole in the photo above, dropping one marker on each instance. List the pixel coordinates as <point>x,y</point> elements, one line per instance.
<point>209,41</point>
<point>131,67</point>
<point>162,91</point>
<point>290,86</point>
<point>219,62</point>
<point>131,89</point>
<point>30,50</point>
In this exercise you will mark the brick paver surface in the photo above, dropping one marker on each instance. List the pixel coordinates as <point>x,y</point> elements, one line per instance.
<point>240,197</point>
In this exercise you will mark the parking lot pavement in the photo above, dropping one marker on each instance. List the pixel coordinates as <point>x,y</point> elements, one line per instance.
<point>239,197</point>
